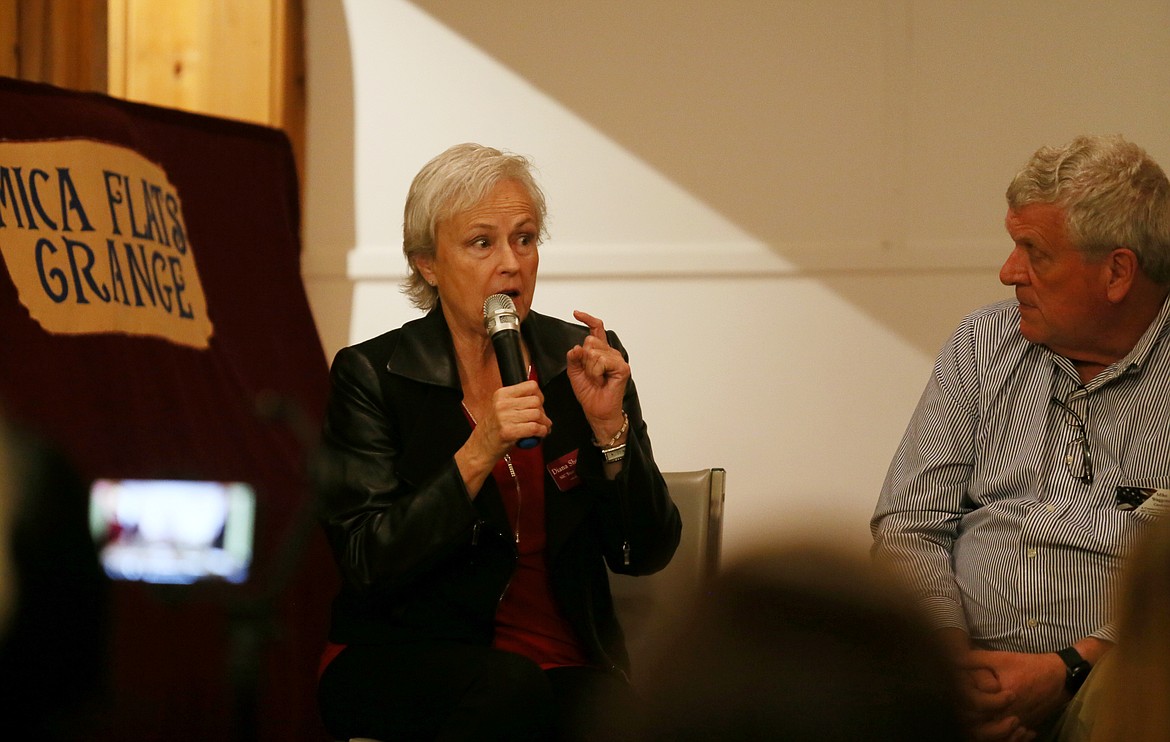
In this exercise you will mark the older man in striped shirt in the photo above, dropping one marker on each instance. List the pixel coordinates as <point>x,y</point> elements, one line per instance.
<point>1040,450</point>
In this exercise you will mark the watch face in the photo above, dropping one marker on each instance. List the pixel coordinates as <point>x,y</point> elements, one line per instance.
<point>1076,676</point>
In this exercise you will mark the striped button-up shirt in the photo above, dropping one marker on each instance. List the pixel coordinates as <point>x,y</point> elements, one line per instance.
<point>987,508</point>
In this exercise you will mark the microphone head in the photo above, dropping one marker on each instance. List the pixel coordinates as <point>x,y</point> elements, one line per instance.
<point>499,314</point>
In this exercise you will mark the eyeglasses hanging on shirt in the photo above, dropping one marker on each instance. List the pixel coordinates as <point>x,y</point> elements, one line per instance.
<point>1077,456</point>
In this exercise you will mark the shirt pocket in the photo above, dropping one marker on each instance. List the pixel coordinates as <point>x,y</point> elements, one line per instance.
<point>1145,498</point>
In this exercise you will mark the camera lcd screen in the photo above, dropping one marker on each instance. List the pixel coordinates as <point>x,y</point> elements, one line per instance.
<point>169,531</point>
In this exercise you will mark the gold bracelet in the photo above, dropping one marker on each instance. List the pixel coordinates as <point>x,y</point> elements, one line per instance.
<point>619,434</point>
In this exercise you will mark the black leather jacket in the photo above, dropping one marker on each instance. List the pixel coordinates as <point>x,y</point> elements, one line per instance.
<point>419,558</point>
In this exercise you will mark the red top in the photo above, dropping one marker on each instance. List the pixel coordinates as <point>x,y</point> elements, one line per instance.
<point>528,620</point>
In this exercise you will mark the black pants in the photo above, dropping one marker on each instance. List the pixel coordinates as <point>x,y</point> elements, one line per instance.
<point>449,691</point>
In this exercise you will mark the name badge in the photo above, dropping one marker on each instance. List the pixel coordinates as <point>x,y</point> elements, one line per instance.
<point>1152,500</point>
<point>564,471</point>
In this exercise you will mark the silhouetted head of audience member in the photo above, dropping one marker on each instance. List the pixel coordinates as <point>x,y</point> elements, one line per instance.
<point>53,644</point>
<point>802,643</point>
<point>1135,697</point>
<point>7,504</point>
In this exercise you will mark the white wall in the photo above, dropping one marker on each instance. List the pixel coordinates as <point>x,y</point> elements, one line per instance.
<point>782,207</point>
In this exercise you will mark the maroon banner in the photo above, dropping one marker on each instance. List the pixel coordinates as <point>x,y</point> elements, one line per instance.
<point>155,326</point>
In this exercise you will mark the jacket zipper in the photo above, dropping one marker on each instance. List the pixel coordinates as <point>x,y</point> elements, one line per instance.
<point>515,555</point>
<point>625,512</point>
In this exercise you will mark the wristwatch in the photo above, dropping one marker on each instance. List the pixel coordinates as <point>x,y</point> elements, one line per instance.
<point>614,454</point>
<point>1078,669</point>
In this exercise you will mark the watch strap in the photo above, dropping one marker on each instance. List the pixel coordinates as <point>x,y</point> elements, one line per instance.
<point>1077,669</point>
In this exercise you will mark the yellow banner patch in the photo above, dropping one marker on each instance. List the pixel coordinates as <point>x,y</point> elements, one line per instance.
<point>94,239</point>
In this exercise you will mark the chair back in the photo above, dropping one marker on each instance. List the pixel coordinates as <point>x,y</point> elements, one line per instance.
<point>646,603</point>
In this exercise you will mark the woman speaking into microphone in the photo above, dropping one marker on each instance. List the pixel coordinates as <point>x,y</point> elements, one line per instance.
<point>475,597</point>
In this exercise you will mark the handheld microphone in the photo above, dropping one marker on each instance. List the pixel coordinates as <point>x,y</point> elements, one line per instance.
<point>503,325</point>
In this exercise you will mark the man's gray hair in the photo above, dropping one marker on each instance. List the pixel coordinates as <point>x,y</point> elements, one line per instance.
<point>1113,195</point>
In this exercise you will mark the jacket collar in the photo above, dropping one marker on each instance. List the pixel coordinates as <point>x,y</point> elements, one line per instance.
<point>425,352</point>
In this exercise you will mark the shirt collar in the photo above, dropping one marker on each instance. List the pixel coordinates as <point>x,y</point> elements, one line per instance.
<point>1136,358</point>
<point>1153,335</point>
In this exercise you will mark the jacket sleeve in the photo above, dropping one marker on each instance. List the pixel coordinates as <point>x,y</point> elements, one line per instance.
<point>925,493</point>
<point>385,532</point>
<point>640,520</point>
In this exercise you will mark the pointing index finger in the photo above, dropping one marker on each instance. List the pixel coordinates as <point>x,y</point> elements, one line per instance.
<point>596,326</point>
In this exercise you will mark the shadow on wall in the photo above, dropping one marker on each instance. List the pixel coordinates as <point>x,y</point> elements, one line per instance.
<point>889,127</point>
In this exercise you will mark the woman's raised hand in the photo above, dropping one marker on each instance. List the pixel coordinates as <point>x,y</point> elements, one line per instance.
<point>599,376</point>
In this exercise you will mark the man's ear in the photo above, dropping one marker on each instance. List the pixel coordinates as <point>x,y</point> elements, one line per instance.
<point>1121,271</point>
